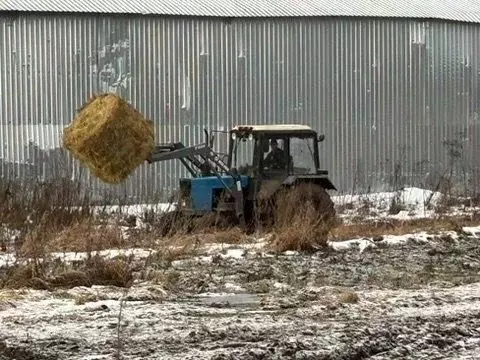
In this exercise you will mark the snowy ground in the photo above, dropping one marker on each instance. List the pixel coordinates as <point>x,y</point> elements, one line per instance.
<point>413,296</point>
<point>415,203</point>
<point>405,204</point>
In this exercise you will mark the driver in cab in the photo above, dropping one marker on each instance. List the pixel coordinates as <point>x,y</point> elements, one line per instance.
<point>276,157</point>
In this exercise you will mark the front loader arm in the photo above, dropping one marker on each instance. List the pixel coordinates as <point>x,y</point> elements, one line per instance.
<point>187,155</point>
<point>201,160</point>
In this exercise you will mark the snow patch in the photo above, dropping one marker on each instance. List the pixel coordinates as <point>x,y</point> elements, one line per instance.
<point>389,240</point>
<point>9,259</point>
<point>361,244</point>
<point>136,210</point>
<point>472,231</point>
<point>234,253</point>
<point>410,196</point>
<point>411,203</point>
<point>233,287</point>
<point>280,286</point>
<point>137,253</point>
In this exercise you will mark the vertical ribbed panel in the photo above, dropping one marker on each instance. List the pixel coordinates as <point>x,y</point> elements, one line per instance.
<point>397,100</point>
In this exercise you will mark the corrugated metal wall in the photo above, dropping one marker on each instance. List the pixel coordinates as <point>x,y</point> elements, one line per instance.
<point>397,100</point>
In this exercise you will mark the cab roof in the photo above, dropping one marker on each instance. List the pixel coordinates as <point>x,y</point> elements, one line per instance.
<point>274,128</point>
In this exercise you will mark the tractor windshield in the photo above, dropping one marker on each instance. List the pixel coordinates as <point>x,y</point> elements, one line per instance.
<point>302,155</point>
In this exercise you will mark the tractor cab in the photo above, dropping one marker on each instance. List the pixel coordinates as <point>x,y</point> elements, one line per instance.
<point>276,152</point>
<point>261,160</point>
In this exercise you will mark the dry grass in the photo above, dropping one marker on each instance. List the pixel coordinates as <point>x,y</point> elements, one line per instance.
<point>307,235</point>
<point>51,217</point>
<point>82,299</point>
<point>297,226</point>
<point>71,278</point>
<point>85,236</point>
<point>399,227</point>
<point>115,272</point>
<point>174,224</point>
<point>231,236</point>
<point>11,295</point>
<point>8,296</point>
<point>181,246</point>
<point>348,297</point>
<point>396,205</point>
<point>94,271</point>
<point>177,250</point>
<point>23,276</point>
<point>447,203</point>
<point>303,218</point>
<point>168,279</point>
<point>175,229</point>
<point>57,204</point>
<point>110,137</point>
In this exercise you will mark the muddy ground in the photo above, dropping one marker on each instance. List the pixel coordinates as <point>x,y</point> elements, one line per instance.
<point>418,299</point>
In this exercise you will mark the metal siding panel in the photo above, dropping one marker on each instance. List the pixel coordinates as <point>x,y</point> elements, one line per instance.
<point>387,94</point>
<point>4,86</point>
<point>464,10</point>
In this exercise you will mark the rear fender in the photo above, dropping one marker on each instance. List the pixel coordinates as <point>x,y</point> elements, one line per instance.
<point>321,180</point>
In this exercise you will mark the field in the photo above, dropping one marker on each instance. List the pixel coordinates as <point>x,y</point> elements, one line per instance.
<point>398,278</point>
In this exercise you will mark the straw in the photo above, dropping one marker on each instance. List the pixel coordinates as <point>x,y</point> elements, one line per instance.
<point>110,137</point>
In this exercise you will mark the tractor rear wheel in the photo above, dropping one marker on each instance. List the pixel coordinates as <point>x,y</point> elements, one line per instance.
<point>301,218</point>
<point>293,202</point>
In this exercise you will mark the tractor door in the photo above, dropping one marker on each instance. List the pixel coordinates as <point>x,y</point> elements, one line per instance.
<point>303,155</point>
<point>241,153</point>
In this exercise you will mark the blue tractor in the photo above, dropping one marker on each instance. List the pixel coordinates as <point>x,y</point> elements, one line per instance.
<point>262,161</point>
